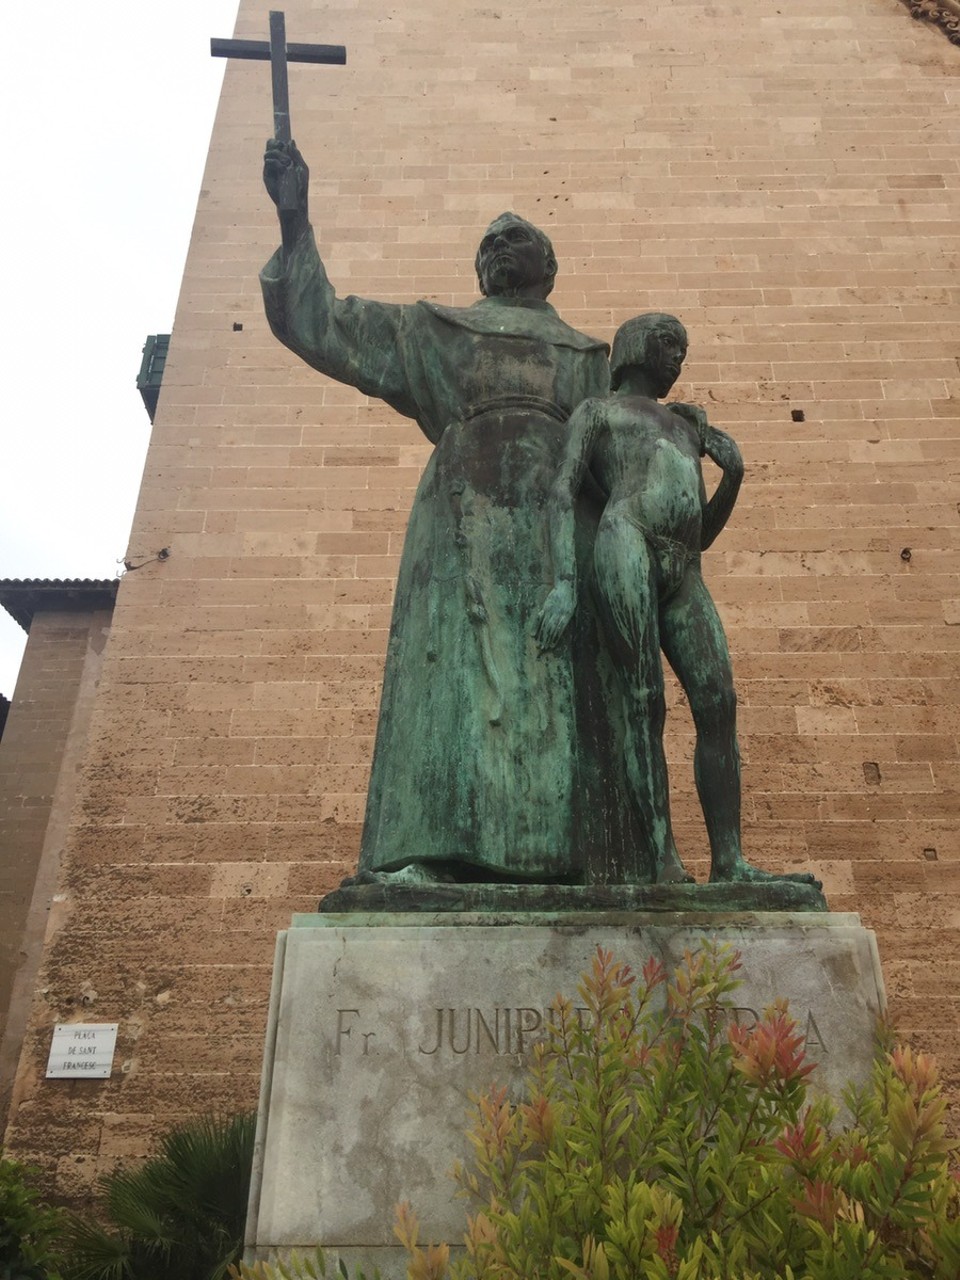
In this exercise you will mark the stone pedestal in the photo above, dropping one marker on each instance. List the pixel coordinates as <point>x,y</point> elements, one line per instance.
<point>381,1026</point>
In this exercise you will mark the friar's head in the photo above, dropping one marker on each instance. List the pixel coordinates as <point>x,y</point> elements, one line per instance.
<point>515,259</point>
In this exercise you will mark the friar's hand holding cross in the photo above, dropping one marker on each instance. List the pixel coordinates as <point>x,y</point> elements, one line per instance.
<point>287,179</point>
<point>285,174</point>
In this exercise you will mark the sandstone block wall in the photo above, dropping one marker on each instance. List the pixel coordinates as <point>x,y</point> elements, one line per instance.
<point>39,758</point>
<point>783,177</point>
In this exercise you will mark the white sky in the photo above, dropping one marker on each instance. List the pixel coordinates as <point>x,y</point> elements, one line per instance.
<point>119,99</point>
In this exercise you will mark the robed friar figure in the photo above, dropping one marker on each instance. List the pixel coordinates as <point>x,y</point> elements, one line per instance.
<point>493,760</point>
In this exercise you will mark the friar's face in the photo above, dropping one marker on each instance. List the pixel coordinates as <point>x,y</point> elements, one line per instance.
<point>512,260</point>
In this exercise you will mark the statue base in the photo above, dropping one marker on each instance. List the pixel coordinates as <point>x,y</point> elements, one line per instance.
<point>381,1026</point>
<point>769,895</point>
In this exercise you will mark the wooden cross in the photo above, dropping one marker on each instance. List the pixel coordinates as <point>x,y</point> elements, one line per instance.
<point>278,53</point>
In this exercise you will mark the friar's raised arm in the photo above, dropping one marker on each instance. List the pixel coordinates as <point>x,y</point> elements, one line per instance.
<point>353,340</point>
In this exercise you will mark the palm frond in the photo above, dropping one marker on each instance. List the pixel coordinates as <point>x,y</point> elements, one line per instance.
<point>136,1204</point>
<point>95,1253</point>
<point>180,1215</point>
<point>207,1170</point>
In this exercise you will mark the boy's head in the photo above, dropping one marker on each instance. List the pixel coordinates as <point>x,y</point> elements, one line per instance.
<point>655,342</point>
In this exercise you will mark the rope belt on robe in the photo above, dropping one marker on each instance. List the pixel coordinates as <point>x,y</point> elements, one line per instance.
<point>517,400</point>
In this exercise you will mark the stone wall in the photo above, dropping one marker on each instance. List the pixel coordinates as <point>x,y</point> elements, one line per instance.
<point>39,758</point>
<point>784,178</point>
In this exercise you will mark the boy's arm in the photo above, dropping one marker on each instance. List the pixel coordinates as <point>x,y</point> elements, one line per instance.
<point>560,604</point>
<point>724,452</point>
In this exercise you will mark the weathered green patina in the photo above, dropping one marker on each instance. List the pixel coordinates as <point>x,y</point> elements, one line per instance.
<point>520,730</point>
<point>493,760</point>
<point>647,577</point>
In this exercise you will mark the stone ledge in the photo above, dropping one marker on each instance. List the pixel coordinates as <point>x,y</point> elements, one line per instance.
<point>556,899</point>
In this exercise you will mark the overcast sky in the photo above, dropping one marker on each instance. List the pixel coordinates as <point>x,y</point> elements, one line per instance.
<point>109,113</point>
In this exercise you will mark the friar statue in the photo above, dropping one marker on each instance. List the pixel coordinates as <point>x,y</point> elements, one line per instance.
<point>493,760</point>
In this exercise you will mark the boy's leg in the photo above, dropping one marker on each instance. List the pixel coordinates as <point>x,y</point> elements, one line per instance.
<point>696,648</point>
<point>693,640</point>
<point>627,587</point>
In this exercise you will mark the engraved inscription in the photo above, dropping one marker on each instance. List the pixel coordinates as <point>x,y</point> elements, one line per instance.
<point>500,1030</point>
<point>746,1016</point>
<point>347,1028</point>
<point>456,1031</point>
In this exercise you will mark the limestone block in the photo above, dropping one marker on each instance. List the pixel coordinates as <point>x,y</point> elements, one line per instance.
<point>381,1027</point>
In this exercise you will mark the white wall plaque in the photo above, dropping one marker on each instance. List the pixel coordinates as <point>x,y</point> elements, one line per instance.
<point>82,1050</point>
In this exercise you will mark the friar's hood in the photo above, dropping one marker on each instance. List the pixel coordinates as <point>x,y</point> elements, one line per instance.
<point>519,317</point>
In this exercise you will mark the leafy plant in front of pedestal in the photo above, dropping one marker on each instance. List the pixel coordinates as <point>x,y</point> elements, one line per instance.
<point>310,1266</point>
<point>30,1231</point>
<point>658,1140</point>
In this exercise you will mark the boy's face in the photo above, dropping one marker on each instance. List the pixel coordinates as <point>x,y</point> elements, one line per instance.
<point>665,354</point>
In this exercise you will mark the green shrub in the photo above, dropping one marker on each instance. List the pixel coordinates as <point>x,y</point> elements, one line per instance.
<point>657,1140</point>
<point>310,1266</point>
<point>300,1267</point>
<point>29,1231</point>
<point>179,1216</point>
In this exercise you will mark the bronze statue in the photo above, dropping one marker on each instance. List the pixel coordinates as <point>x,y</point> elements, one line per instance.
<point>656,521</point>
<point>520,731</point>
<point>493,761</point>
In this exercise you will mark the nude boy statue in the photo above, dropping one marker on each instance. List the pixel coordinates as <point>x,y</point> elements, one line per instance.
<point>656,521</point>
